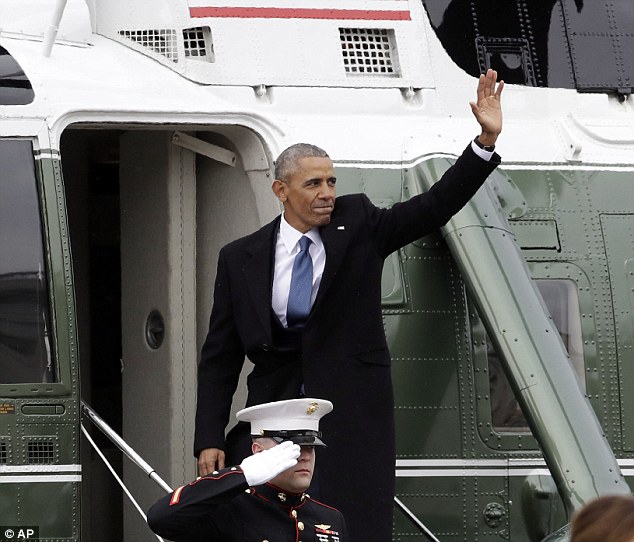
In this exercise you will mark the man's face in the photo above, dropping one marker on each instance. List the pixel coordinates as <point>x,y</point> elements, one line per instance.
<point>309,195</point>
<point>297,478</point>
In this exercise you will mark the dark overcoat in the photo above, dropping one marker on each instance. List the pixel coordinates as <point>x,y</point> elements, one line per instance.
<point>344,350</point>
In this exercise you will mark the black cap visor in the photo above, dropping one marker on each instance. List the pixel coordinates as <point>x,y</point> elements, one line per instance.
<point>301,437</point>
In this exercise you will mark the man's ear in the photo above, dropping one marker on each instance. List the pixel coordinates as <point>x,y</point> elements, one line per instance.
<point>279,189</point>
<point>256,447</point>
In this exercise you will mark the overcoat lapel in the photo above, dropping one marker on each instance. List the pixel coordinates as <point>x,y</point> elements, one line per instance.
<point>258,275</point>
<point>335,237</point>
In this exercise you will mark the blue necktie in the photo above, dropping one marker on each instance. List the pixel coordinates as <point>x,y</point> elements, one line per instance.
<point>301,289</point>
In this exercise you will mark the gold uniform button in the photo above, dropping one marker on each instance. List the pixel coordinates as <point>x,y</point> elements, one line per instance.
<point>300,525</point>
<point>294,513</point>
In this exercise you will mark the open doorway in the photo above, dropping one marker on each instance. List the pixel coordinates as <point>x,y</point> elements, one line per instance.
<point>147,218</point>
<point>91,179</point>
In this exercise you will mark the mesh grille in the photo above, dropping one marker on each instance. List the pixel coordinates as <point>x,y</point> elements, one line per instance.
<point>40,452</point>
<point>4,454</point>
<point>197,43</point>
<point>162,42</point>
<point>369,51</point>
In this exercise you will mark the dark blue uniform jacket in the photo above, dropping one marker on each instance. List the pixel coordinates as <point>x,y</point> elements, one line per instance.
<point>222,507</point>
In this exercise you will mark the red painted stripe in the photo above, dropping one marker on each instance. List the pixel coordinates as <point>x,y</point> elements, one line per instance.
<point>299,13</point>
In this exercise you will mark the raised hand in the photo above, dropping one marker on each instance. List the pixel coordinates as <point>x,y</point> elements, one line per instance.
<point>488,109</point>
<point>263,466</point>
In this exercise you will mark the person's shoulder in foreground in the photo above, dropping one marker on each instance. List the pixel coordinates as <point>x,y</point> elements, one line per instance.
<point>609,518</point>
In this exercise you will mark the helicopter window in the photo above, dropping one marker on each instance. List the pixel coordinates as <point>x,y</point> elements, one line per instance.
<point>26,353</point>
<point>562,302</point>
<point>15,87</point>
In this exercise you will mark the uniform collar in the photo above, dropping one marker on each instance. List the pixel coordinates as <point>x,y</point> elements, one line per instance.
<point>276,495</point>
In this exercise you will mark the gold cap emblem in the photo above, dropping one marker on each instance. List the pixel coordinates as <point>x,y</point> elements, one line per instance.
<point>312,408</point>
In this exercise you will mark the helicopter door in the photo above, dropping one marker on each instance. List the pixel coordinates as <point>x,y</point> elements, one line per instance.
<point>158,311</point>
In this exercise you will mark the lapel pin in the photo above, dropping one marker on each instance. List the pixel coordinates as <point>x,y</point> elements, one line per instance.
<point>341,227</point>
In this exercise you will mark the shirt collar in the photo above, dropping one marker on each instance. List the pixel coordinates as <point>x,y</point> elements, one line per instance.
<point>290,236</point>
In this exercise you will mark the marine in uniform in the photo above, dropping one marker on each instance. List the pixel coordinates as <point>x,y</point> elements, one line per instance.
<point>263,498</point>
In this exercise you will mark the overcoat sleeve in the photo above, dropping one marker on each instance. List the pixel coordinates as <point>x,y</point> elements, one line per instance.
<point>190,512</point>
<point>221,361</point>
<point>420,215</point>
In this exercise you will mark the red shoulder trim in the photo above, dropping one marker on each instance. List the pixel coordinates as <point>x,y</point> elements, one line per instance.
<point>177,493</point>
<point>324,505</point>
<point>176,496</point>
<point>217,476</point>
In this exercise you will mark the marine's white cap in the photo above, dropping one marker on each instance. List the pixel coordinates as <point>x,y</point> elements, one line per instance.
<point>295,419</point>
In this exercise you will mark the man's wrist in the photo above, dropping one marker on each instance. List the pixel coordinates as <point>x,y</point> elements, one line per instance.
<point>486,142</point>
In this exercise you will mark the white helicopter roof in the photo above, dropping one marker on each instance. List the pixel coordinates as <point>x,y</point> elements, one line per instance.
<point>284,69</point>
<point>348,43</point>
<point>31,19</point>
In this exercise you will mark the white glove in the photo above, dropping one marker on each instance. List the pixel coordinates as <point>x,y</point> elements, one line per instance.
<point>264,466</point>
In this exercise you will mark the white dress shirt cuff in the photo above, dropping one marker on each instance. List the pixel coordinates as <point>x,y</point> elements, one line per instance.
<point>485,155</point>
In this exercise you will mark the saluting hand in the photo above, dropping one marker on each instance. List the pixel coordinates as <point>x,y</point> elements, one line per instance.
<point>488,108</point>
<point>263,466</point>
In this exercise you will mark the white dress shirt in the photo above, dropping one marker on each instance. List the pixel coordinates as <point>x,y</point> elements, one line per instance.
<point>286,249</point>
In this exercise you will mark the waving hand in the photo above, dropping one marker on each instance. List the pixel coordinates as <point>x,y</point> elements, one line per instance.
<point>488,108</point>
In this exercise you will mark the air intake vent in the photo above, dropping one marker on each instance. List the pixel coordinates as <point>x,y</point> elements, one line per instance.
<point>40,452</point>
<point>369,51</point>
<point>4,453</point>
<point>197,43</point>
<point>162,41</point>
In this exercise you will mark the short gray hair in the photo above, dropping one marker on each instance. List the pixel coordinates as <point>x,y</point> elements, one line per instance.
<point>287,162</point>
